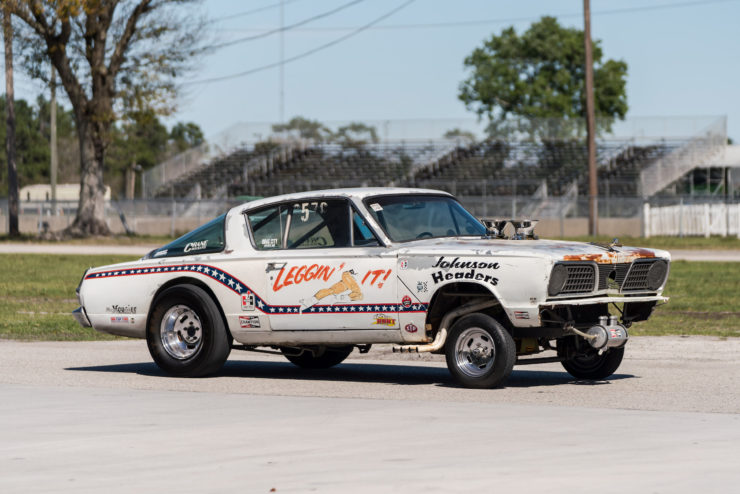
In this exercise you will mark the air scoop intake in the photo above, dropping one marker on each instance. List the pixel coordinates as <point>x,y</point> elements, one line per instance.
<point>608,333</point>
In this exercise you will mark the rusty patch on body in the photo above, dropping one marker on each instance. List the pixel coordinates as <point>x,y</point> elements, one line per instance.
<point>612,257</point>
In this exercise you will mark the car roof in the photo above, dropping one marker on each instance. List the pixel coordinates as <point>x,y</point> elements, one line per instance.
<point>356,192</point>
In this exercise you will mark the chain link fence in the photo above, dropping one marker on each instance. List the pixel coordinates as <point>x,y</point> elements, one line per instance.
<point>558,216</point>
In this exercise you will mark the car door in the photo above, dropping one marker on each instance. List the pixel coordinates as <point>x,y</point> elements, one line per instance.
<point>326,270</point>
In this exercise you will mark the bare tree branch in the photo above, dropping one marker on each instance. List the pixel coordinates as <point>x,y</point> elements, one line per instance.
<point>128,32</point>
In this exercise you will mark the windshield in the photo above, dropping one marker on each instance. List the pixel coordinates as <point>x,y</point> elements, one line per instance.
<point>411,217</point>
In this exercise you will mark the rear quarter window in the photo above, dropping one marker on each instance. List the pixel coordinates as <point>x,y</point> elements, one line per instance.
<point>205,239</point>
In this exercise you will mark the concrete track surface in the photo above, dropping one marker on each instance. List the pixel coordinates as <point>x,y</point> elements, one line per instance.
<point>100,417</point>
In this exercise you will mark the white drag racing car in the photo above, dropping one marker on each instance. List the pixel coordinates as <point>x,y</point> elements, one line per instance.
<point>315,274</point>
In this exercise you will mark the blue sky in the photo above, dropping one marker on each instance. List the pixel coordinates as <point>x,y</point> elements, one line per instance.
<point>683,58</point>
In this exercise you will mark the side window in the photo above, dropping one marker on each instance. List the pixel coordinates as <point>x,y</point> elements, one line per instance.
<point>268,227</point>
<point>205,239</point>
<point>316,224</point>
<point>362,234</point>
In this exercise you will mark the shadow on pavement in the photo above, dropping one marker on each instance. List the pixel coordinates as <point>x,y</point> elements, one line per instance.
<point>357,372</point>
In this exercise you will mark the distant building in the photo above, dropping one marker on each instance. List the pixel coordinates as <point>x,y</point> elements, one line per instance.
<point>65,192</point>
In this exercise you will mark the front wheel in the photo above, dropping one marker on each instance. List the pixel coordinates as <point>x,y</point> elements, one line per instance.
<point>480,352</point>
<point>186,335</point>
<point>317,358</point>
<point>588,363</point>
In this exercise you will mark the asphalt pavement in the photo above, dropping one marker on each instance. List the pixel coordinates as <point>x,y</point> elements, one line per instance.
<point>100,416</point>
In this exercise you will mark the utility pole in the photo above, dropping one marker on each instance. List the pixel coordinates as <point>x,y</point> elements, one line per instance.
<point>593,190</point>
<point>53,143</point>
<point>10,129</point>
<point>282,62</point>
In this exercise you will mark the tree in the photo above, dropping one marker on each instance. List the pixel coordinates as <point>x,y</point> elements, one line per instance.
<point>32,148</point>
<point>111,56</point>
<point>459,135</point>
<point>355,135</point>
<point>10,144</point>
<point>539,76</point>
<point>186,135</point>
<point>304,128</point>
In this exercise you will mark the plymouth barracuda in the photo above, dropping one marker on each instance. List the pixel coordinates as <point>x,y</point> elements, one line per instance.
<point>314,275</point>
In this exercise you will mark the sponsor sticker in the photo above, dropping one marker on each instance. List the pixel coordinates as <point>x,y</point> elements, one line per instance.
<point>521,314</point>
<point>121,309</point>
<point>200,245</point>
<point>464,270</point>
<point>269,243</point>
<point>406,301</point>
<point>119,319</point>
<point>403,264</point>
<point>247,322</point>
<point>248,301</point>
<point>383,320</point>
<point>411,328</point>
<point>421,286</point>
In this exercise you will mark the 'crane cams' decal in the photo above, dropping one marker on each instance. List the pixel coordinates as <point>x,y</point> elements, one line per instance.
<point>464,270</point>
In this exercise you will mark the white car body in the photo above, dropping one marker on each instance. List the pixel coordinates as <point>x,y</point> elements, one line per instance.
<point>355,294</point>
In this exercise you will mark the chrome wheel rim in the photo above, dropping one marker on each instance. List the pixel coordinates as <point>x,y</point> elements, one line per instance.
<point>475,352</point>
<point>181,332</point>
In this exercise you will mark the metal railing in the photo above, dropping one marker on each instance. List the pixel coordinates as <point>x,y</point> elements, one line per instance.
<point>694,153</point>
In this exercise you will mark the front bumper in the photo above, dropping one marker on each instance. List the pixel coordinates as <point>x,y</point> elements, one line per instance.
<point>81,317</point>
<point>602,300</point>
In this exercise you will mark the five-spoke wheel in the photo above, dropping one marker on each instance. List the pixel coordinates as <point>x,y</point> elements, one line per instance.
<point>480,352</point>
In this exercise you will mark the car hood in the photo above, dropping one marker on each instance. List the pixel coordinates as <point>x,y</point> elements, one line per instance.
<point>556,250</point>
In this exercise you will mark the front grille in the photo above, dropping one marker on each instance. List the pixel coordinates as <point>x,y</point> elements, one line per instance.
<point>615,272</point>
<point>580,278</point>
<point>637,279</point>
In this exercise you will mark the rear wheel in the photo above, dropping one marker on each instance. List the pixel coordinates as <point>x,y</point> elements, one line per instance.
<point>186,335</point>
<point>587,363</point>
<point>480,352</point>
<point>317,358</point>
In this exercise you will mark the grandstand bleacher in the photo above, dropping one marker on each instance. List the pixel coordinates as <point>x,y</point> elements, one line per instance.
<point>495,167</point>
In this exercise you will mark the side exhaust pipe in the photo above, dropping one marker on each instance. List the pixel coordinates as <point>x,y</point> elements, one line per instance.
<point>441,337</point>
<point>607,334</point>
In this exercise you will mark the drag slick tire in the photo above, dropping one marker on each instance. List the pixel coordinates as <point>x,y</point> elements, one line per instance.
<point>586,363</point>
<point>480,352</point>
<point>186,334</point>
<point>321,357</point>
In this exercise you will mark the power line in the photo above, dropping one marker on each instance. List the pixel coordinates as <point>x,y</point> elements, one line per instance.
<point>286,28</point>
<point>253,11</point>
<point>306,53</point>
<point>482,22</point>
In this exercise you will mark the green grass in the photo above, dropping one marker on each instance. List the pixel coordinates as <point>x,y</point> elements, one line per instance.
<point>37,296</point>
<point>669,243</point>
<point>705,299</point>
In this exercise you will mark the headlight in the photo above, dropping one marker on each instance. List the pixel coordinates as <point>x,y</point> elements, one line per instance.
<point>656,274</point>
<point>558,277</point>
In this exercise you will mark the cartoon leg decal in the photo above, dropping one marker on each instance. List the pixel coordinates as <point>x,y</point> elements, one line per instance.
<point>340,291</point>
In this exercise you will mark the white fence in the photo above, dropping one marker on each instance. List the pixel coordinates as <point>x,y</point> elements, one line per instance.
<point>693,220</point>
